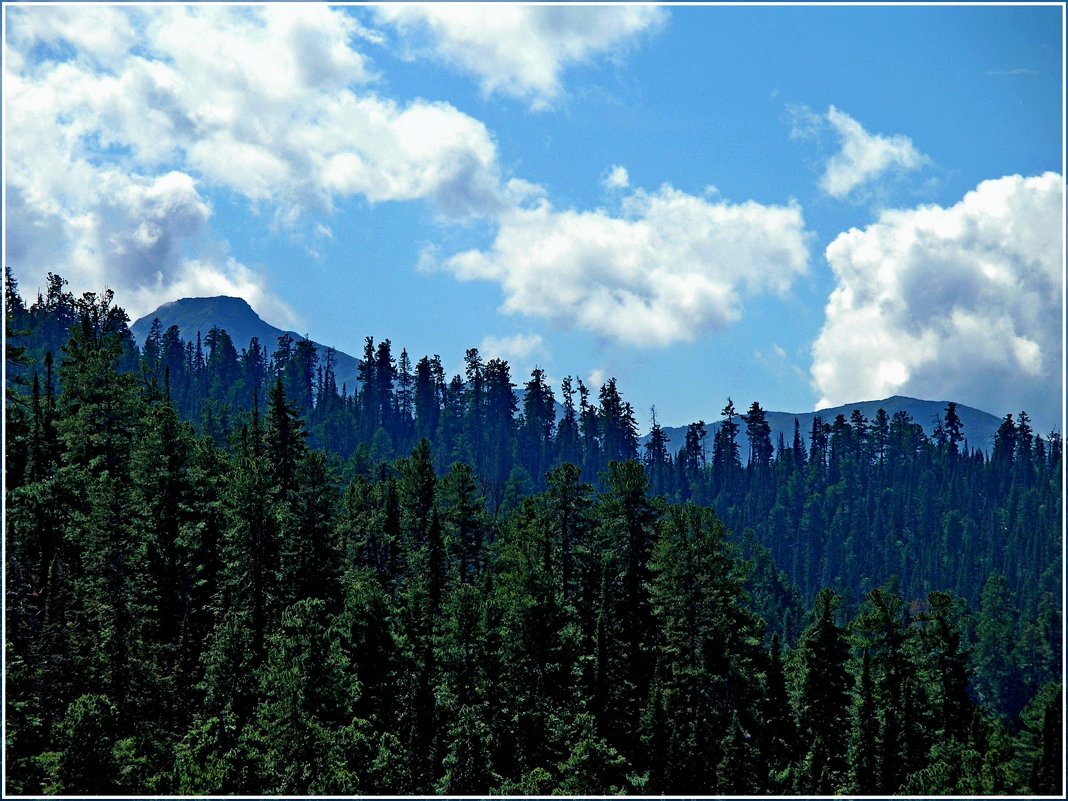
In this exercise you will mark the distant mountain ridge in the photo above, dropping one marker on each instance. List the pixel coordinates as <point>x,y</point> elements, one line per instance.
<point>239,320</point>
<point>979,426</point>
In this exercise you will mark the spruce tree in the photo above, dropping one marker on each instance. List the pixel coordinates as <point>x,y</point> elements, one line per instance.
<point>824,703</point>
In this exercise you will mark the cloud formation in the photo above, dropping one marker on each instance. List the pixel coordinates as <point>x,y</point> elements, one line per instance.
<point>670,267</point>
<point>116,127</point>
<point>616,178</point>
<point>961,303</point>
<point>518,348</point>
<point>515,50</point>
<point>862,157</point>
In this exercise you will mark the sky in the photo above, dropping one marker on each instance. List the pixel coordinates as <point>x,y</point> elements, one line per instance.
<point>799,205</point>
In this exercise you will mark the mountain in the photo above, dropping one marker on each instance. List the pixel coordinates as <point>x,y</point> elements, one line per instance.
<point>979,426</point>
<point>242,323</point>
<point>239,320</point>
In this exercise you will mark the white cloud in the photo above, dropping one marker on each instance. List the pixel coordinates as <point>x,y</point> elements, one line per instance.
<point>197,278</point>
<point>596,379</point>
<point>617,178</point>
<point>522,349</point>
<point>132,114</point>
<point>98,36</point>
<point>519,50</point>
<point>671,266</point>
<point>804,122</point>
<point>864,156</point>
<point>961,303</point>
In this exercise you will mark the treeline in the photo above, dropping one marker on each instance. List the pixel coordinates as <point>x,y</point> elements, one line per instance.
<point>245,607</point>
<point>847,505</point>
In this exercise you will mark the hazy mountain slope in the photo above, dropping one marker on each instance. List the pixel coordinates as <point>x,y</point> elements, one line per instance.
<point>239,320</point>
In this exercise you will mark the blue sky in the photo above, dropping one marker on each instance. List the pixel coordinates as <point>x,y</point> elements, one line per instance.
<point>796,205</point>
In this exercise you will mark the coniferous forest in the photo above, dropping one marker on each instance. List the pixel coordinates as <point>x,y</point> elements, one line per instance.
<point>227,574</point>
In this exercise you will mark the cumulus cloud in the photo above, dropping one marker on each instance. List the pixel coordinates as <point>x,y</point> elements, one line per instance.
<point>518,50</point>
<point>100,37</point>
<point>117,127</point>
<point>516,349</point>
<point>597,378</point>
<point>224,276</point>
<point>863,157</point>
<point>671,266</point>
<point>961,303</point>
<point>616,178</point>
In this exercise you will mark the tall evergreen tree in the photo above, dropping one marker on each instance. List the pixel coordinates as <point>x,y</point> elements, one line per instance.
<point>824,703</point>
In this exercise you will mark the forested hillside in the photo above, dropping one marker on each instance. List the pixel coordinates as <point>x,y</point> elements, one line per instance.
<point>199,315</point>
<point>227,574</point>
<point>979,427</point>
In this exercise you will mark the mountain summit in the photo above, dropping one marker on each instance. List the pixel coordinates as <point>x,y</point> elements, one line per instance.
<point>239,320</point>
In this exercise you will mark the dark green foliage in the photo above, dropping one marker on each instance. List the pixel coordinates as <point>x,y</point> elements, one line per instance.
<point>779,735</point>
<point>84,762</point>
<point>739,771</point>
<point>865,756</point>
<point>221,579</point>
<point>996,681</point>
<point>593,766</point>
<point>824,701</point>
<point>468,770</point>
<point>625,643</point>
<point>1042,741</point>
<point>306,736</point>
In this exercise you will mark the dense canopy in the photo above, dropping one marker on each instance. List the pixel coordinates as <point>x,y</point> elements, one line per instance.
<point>226,574</point>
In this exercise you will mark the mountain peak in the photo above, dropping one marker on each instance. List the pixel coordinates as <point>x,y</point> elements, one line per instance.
<point>235,316</point>
<point>227,303</point>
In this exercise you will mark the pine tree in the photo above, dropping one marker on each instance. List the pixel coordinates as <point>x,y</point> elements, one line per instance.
<point>942,638</point>
<point>568,444</point>
<point>880,625</point>
<point>468,770</point>
<point>593,766</point>
<point>500,423</point>
<point>780,727</point>
<point>306,519</point>
<point>284,444</point>
<point>627,530</point>
<point>618,429</point>
<point>85,763</point>
<point>306,737</point>
<point>691,461</point>
<point>99,411</point>
<point>708,648</point>
<point>537,427</point>
<point>864,756</point>
<point>824,702</point>
<point>758,431</point>
<point>568,519</point>
<point>370,404</point>
<point>465,521</point>
<point>725,459</point>
<point>995,681</point>
<point>738,771</point>
<point>425,401</point>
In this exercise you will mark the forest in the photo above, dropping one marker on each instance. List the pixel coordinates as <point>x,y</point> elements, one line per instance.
<point>226,574</point>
